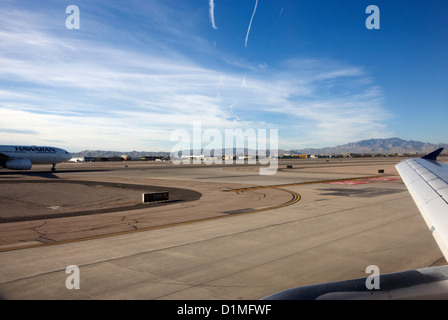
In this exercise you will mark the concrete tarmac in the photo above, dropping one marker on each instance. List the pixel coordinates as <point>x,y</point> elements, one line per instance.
<point>230,234</point>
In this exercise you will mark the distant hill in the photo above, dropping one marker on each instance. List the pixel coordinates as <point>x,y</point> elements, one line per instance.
<point>377,146</point>
<point>382,146</point>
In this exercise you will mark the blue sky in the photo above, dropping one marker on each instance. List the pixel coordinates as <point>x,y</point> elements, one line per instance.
<point>136,71</point>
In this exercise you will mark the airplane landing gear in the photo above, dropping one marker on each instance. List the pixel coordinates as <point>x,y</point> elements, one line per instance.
<point>53,167</point>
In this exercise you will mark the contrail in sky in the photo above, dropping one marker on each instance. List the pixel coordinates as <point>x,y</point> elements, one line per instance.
<point>280,14</point>
<point>250,23</point>
<point>211,5</point>
<point>236,117</point>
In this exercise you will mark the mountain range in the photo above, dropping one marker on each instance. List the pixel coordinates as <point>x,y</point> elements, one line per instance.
<point>381,146</point>
<point>374,146</point>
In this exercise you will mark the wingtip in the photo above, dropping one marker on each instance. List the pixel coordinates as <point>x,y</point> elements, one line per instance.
<point>433,155</point>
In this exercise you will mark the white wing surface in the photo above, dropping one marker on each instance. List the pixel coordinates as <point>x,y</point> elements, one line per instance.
<point>427,182</point>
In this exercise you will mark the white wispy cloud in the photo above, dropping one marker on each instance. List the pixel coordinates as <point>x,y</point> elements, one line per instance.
<point>87,93</point>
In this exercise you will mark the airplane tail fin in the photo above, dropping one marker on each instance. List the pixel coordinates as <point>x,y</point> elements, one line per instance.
<point>433,155</point>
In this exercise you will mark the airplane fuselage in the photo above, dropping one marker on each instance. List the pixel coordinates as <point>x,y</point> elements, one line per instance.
<point>20,157</point>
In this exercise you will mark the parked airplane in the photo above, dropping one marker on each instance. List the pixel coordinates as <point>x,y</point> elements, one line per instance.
<point>427,182</point>
<point>23,157</point>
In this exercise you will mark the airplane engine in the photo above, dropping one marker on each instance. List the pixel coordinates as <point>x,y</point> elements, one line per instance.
<point>18,164</point>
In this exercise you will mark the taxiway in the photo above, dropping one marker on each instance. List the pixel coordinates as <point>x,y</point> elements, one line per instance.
<point>228,233</point>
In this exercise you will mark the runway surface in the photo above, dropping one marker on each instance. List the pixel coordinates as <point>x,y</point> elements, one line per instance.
<point>227,232</point>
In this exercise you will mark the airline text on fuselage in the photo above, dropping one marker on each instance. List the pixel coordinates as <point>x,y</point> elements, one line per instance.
<point>37,149</point>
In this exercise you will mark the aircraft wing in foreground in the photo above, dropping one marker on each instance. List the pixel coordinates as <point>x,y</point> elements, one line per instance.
<point>427,182</point>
